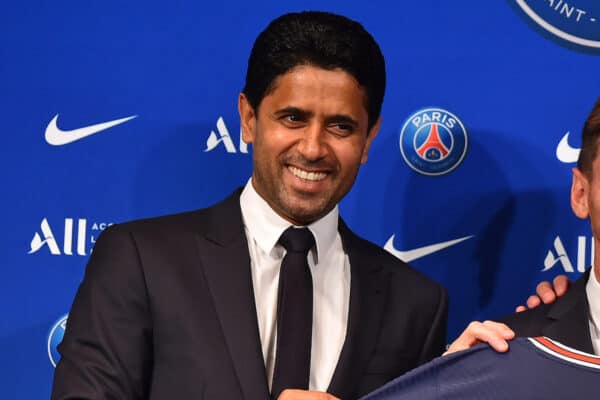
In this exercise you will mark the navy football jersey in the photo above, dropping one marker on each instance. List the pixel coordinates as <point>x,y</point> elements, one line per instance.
<point>533,368</point>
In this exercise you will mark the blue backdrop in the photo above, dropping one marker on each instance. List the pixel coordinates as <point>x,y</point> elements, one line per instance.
<point>517,75</point>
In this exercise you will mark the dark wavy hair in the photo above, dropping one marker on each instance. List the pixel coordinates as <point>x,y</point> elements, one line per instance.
<point>589,146</point>
<point>321,39</point>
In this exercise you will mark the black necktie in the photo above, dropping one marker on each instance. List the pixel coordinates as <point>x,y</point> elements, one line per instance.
<point>294,313</point>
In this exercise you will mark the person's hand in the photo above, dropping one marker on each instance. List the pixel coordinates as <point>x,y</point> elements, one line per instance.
<point>294,394</point>
<point>546,292</point>
<point>493,333</point>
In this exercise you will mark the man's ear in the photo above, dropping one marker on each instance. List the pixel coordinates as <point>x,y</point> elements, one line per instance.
<point>247,119</point>
<point>370,137</point>
<point>580,190</point>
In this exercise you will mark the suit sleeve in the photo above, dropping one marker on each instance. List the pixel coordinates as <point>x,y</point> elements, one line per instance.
<point>106,350</point>
<point>435,341</point>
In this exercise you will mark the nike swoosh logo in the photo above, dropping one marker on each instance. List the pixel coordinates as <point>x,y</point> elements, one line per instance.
<point>564,152</point>
<point>58,137</point>
<point>414,254</point>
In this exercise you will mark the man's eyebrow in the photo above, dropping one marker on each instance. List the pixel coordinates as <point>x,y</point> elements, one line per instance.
<point>293,110</point>
<point>337,118</point>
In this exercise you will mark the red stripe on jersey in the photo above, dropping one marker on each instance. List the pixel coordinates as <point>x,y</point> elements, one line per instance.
<point>567,353</point>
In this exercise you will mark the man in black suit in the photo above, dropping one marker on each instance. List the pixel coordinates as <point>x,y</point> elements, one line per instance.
<point>186,306</point>
<point>574,319</point>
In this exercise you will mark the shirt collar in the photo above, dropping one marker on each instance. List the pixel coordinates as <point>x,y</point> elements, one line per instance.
<point>593,294</point>
<point>265,226</point>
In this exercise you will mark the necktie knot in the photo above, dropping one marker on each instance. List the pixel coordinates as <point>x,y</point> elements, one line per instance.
<point>297,240</point>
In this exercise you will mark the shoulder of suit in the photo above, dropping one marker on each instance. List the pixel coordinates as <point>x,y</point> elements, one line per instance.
<point>522,322</point>
<point>179,221</point>
<point>528,323</point>
<point>183,222</point>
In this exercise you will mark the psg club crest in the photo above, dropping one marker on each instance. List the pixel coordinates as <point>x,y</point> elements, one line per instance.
<point>55,337</point>
<point>433,141</point>
<point>576,22</point>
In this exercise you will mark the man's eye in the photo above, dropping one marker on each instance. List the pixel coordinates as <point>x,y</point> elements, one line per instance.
<point>293,118</point>
<point>343,129</point>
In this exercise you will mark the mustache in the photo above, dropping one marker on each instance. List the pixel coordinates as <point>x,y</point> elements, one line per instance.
<point>304,163</point>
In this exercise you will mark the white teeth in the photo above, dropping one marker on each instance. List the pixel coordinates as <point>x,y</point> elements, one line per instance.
<point>308,176</point>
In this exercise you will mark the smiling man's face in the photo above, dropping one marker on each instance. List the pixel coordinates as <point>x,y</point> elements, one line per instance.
<point>309,138</point>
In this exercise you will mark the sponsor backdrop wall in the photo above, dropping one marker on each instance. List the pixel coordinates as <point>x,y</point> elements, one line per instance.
<point>113,111</point>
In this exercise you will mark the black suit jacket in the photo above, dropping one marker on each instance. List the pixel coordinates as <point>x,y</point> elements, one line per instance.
<point>565,320</point>
<point>166,311</point>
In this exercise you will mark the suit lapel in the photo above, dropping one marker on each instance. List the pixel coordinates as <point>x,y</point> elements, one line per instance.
<point>571,326</point>
<point>226,262</point>
<point>367,294</point>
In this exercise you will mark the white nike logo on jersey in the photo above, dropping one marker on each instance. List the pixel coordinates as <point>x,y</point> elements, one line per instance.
<point>57,137</point>
<point>411,255</point>
<point>564,152</point>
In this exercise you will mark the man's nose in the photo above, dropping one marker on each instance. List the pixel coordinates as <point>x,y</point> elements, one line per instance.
<point>313,144</point>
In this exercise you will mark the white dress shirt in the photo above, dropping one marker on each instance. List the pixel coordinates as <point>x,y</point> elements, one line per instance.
<point>330,268</point>
<point>593,295</point>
